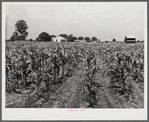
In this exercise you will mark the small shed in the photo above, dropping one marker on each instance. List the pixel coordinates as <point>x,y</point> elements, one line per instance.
<point>58,39</point>
<point>130,39</point>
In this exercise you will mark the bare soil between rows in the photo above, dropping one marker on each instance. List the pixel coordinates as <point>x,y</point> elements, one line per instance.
<point>70,94</point>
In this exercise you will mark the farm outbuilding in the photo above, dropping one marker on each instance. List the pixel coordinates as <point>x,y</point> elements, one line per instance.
<point>130,39</point>
<point>58,39</point>
<point>88,41</point>
<point>107,40</point>
<point>83,40</point>
<point>77,41</point>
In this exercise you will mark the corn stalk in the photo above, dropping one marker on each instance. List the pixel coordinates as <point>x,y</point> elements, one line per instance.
<point>91,68</point>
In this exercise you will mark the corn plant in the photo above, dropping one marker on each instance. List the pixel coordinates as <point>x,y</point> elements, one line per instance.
<point>89,59</point>
<point>121,71</point>
<point>138,72</point>
<point>18,68</point>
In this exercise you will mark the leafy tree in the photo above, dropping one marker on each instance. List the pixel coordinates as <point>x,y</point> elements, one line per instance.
<point>31,40</point>
<point>98,40</point>
<point>70,38</point>
<point>23,36</point>
<point>80,37</point>
<point>94,39</point>
<point>64,35</point>
<point>21,27</point>
<point>37,39</point>
<point>75,38</point>
<point>8,40</point>
<point>87,38</point>
<point>14,36</point>
<point>44,36</point>
<point>52,36</point>
<point>114,40</point>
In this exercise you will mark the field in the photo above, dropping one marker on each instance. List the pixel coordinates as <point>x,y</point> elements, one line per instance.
<point>74,75</point>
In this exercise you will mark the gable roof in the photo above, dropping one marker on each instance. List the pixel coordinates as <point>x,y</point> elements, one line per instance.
<point>130,36</point>
<point>59,37</point>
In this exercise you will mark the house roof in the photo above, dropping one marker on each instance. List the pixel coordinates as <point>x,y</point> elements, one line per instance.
<point>59,37</point>
<point>130,36</point>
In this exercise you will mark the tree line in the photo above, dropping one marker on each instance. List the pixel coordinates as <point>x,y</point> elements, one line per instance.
<point>21,33</point>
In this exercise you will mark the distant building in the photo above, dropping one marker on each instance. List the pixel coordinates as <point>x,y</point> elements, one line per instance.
<point>58,39</point>
<point>88,41</point>
<point>107,40</point>
<point>76,40</point>
<point>82,41</point>
<point>130,39</point>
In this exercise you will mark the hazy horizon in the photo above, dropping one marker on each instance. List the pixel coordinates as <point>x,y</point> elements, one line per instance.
<point>103,20</point>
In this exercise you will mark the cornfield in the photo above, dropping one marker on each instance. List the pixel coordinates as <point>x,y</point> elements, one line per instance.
<point>74,75</point>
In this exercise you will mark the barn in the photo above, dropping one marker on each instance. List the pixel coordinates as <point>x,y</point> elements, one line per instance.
<point>130,39</point>
<point>58,39</point>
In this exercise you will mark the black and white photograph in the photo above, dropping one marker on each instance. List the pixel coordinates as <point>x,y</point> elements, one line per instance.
<point>74,58</point>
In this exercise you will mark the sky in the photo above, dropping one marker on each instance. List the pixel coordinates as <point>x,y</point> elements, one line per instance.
<point>104,20</point>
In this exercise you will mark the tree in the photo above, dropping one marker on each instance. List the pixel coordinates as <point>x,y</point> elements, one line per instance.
<point>44,36</point>
<point>31,40</point>
<point>8,40</point>
<point>14,36</point>
<point>94,39</point>
<point>23,36</point>
<point>114,40</point>
<point>70,38</point>
<point>74,38</point>
<point>64,35</point>
<point>98,40</point>
<point>21,27</point>
<point>37,39</point>
<point>52,36</point>
<point>87,38</point>
<point>80,37</point>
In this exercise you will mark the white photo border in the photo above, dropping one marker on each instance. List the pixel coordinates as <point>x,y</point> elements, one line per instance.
<point>66,114</point>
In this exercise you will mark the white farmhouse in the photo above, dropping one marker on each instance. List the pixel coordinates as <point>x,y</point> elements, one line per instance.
<point>58,39</point>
